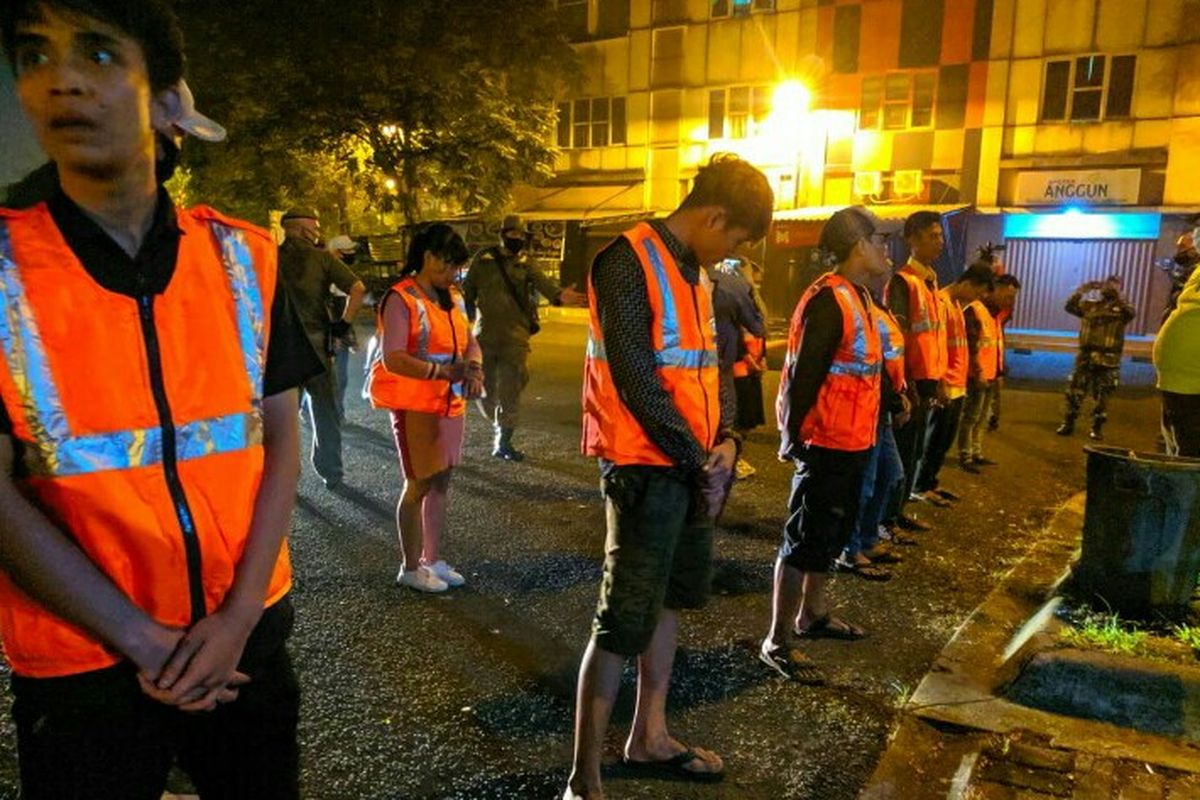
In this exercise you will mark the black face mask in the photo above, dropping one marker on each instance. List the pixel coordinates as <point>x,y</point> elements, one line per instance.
<point>514,246</point>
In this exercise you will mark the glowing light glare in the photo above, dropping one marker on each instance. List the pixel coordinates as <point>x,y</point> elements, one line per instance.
<point>1075,223</point>
<point>390,184</point>
<point>389,131</point>
<point>791,97</point>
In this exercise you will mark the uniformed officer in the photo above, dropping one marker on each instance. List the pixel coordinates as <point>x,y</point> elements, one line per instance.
<point>502,285</point>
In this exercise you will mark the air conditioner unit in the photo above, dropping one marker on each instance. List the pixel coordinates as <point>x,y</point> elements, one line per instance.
<point>906,182</point>
<point>868,183</point>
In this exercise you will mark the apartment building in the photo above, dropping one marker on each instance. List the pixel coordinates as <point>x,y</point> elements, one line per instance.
<point>1068,128</point>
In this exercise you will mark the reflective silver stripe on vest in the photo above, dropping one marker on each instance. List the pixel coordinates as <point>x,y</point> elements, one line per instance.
<point>247,301</point>
<point>423,326</point>
<point>860,346</point>
<point>670,322</point>
<point>55,452</point>
<point>892,351</point>
<point>672,357</point>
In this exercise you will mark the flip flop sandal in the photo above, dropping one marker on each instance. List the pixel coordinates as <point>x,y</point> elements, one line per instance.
<point>932,499</point>
<point>675,768</point>
<point>883,557</point>
<point>802,670</point>
<point>868,572</point>
<point>824,629</point>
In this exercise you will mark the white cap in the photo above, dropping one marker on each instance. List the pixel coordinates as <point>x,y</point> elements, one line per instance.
<point>191,121</point>
<point>342,244</point>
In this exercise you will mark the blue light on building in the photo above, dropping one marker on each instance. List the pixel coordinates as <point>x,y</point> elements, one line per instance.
<point>1075,223</point>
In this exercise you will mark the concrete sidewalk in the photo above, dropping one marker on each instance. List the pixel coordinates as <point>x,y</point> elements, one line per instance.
<point>959,738</point>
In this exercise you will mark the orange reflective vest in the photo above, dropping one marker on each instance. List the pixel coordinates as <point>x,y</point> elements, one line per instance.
<point>892,340</point>
<point>846,412</point>
<point>1002,317</point>
<point>684,338</point>
<point>987,356</point>
<point>752,363</point>
<point>140,423</point>
<point>925,336</point>
<point>958,354</point>
<point>434,334</point>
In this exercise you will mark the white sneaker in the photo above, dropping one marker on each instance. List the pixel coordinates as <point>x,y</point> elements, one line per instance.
<point>422,579</point>
<point>447,573</point>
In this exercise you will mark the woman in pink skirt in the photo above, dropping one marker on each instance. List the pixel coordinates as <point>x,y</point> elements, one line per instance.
<point>426,365</point>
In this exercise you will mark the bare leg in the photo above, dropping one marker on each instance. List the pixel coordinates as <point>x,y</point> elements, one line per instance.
<point>409,523</point>
<point>785,601</point>
<point>813,605</point>
<point>648,739</point>
<point>599,680</point>
<point>433,516</point>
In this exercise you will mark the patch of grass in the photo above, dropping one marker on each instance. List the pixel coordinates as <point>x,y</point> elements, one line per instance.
<point>1106,632</point>
<point>903,693</point>
<point>1189,635</point>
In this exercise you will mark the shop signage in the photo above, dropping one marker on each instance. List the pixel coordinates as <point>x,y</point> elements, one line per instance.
<point>1104,187</point>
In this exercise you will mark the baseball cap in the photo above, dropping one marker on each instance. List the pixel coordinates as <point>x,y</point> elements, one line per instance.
<point>191,121</point>
<point>513,222</point>
<point>343,244</point>
<point>300,212</point>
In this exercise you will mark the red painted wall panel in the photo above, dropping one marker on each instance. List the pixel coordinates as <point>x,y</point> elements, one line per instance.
<point>879,42</point>
<point>976,94</point>
<point>958,22</point>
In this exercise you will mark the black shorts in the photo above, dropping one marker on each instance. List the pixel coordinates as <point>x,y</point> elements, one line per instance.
<point>658,554</point>
<point>823,507</point>
<point>97,736</point>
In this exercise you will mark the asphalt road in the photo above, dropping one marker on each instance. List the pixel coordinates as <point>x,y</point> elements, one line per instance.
<point>468,695</point>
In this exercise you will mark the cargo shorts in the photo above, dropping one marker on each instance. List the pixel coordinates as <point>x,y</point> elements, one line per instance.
<point>658,554</point>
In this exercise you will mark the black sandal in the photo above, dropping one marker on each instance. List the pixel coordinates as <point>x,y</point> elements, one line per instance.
<point>792,665</point>
<point>675,768</point>
<point>868,572</point>
<point>829,627</point>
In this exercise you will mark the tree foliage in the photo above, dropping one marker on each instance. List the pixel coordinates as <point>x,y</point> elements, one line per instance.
<point>419,107</point>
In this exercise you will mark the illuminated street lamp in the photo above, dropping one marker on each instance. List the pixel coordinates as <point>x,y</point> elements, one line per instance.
<point>390,184</point>
<point>791,97</point>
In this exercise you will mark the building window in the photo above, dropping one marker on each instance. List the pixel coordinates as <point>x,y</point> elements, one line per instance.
<point>666,68</point>
<point>847,26</point>
<point>667,11</point>
<point>738,111</point>
<point>898,101</point>
<point>563,137</point>
<point>612,19</point>
<point>739,8</point>
<point>1088,88</point>
<point>593,122</point>
<point>573,17</point>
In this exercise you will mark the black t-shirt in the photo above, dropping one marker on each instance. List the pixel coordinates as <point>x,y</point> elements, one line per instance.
<point>290,358</point>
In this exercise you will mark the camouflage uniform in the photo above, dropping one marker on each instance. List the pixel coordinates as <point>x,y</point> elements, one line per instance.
<point>1098,364</point>
<point>503,327</point>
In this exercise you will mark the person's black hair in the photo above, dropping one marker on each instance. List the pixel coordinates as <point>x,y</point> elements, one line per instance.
<point>739,188</point>
<point>989,252</point>
<point>150,23</point>
<point>979,273</point>
<point>437,238</point>
<point>1008,280</point>
<point>918,221</point>
<point>843,231</point>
